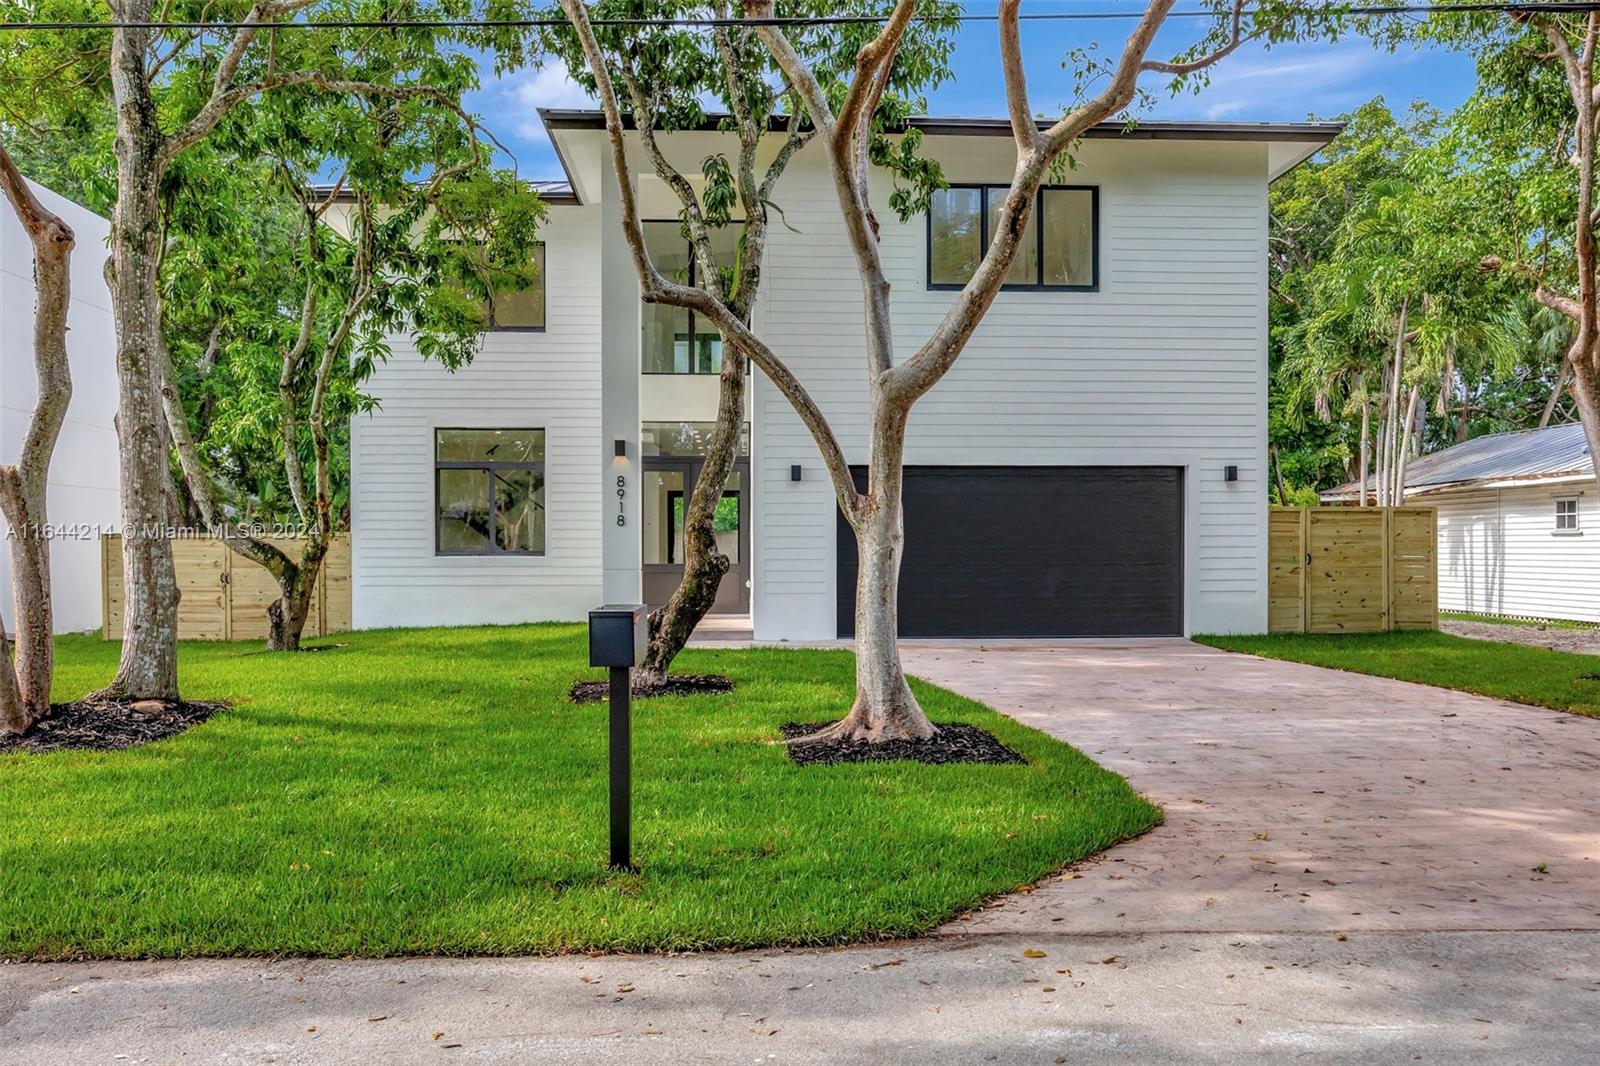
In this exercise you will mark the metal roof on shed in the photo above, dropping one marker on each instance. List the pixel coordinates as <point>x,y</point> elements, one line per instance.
<point>1521,455</point>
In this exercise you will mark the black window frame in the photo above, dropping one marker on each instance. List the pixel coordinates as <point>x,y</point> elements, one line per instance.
<point>544,299</point>
<point>983,189</point>
<point>694,270</point>
<point>488,467</point>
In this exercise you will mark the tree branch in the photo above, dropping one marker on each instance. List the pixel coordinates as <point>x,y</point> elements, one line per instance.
<point>657,289</point>
<point>1236,38</point>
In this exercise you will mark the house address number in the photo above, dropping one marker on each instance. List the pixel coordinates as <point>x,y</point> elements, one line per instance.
<point>622,496</point>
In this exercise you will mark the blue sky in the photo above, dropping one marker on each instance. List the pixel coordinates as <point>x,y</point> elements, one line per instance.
<point>1285,84</point>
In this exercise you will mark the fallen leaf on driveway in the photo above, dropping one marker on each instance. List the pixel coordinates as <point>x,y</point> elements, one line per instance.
<point>1033,953</point>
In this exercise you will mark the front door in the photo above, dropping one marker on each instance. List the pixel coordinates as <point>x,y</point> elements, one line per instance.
<point>668,484</point>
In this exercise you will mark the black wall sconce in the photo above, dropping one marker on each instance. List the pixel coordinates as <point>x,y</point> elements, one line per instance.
<point>1230,473</point>
<point>621,446</point>
<point>794,472</point>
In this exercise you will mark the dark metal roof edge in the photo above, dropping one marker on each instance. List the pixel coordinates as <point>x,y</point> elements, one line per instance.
<point>561,198</point>
<point>1152,129</point>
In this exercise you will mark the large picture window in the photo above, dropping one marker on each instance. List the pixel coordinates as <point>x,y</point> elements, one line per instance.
<point>1061,249</point>
<point>488,491</point>
<point>676,340</point>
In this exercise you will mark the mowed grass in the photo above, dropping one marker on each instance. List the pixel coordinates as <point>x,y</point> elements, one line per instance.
<point>434,792</point>
<point>1565,681</point>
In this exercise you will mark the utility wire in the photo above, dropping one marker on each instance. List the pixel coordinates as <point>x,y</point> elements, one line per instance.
<point>1546,8</point>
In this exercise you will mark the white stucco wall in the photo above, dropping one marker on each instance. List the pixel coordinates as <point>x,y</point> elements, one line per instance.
<point>1164,366</point>
<point>548,380</point>
<point>83,472</point>
<point>1499,552</point>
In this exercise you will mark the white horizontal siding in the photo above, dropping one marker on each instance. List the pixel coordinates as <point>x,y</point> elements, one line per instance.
<point>548,380</point>
<point>1499,553</point>
<point>1164,366</point>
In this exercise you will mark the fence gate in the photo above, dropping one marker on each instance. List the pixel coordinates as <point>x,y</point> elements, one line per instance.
<point>224,596</point>
<point>1352,569</point>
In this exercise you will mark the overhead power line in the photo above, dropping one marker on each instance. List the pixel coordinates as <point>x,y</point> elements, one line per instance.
<point>1467,7</point>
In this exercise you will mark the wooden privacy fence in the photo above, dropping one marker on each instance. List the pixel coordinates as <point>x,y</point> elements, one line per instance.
<point>1352,569</point>
<point>225,595</point>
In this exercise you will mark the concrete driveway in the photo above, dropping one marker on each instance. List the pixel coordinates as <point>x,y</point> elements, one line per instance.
<point>1352,870</point>
<point>1300,799</point>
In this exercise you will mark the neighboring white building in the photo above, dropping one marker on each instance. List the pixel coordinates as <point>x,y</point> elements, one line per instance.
<point>1519,528</point>
<point>1069,477</point>
<point>84,497</point>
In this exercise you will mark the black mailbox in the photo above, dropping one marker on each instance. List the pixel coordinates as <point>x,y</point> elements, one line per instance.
<point>618,633</point>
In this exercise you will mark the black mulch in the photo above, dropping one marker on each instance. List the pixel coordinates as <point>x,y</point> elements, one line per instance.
<point>108,725</point>
<point>954,742</point>
<point>674,685</point>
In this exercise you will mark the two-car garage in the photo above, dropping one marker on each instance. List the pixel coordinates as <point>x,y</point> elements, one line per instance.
<point>1034,551</point>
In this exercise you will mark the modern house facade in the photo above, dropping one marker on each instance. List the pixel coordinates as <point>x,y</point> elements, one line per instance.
<point>1519,533</point>
<point>1093,465</point>
<point>84,498</point>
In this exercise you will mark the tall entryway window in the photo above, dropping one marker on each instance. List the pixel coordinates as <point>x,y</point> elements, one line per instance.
<point>676,340</point>
<point>673,455</point>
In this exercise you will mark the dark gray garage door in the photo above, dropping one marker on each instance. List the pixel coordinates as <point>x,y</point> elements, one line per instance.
<point>1035,551</point>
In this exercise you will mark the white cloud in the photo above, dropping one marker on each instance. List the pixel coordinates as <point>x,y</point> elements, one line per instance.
<point>1291,82</point>
<point>517,97</point>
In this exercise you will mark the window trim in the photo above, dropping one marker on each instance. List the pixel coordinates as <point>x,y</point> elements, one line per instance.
<point>1574,530</point>
<point>694,268</point>
<point>544,300</point>
<point>488,466</point>
<point>1038,223</point>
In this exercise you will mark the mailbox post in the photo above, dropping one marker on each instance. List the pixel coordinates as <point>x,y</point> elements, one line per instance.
<point>617,638</point>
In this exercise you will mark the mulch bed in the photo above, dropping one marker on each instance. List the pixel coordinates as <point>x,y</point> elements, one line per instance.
<point>674,685</point>
<point>954,742</point>
<point>109,725</point>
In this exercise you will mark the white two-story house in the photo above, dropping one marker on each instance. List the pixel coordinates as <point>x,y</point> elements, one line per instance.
<point>1093,465</point>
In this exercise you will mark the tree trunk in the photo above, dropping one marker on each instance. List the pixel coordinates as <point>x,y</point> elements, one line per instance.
<point>1562,375</point>
<point>1586,392</point>
<point>704,564</point>
<point>297,584</point>
<point>884,707</point>
<point>1366,442</point>
<point>148,668</point>
<point>25,678</point>
<point>1405,448</point>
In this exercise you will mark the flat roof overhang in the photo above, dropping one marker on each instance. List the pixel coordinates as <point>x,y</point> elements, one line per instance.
<point>1292,142</point>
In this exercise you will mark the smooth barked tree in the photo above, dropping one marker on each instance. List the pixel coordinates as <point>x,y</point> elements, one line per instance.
<point>884,707</point>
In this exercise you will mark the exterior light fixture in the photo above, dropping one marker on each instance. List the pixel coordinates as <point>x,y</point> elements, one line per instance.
<point>1230,473</point>
<point>794,472</point>
<point>621,446</point>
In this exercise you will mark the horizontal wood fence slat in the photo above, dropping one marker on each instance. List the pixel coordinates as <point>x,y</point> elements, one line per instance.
<point>225,596</point>
<point>1352,569</point>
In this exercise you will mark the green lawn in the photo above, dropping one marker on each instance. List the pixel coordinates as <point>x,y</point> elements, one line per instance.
<point>434,792</point>
<point>1563,680</point>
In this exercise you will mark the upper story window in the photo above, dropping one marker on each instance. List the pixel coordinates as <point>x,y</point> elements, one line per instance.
<point>488,491</point>
<point>678,341</point>
<point>521,310</point>
<point>1567,516</point>
<point>1061,249</point>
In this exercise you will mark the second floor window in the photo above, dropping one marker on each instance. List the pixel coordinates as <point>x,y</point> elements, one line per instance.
<point>1059,251</point>
<point>678,341</point>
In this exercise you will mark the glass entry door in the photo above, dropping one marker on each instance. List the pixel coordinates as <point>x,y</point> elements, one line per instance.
<point>668,484</point>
